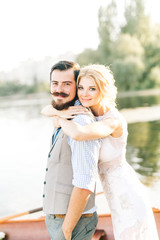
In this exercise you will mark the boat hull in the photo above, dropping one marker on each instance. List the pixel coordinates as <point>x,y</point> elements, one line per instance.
<point>36,229</point>
<point>24,230</point>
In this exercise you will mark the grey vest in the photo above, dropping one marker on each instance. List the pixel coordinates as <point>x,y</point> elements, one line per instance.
<point>58,180</point>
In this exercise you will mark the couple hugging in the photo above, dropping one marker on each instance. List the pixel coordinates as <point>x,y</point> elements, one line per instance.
<point>90,137</point>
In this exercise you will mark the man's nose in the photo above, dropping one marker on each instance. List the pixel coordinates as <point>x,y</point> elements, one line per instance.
<point>59,88</point>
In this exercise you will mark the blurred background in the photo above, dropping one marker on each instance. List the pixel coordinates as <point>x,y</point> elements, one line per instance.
<point>35,34</point>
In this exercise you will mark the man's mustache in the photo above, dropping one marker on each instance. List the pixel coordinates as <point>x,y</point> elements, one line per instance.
<point>62,94</point>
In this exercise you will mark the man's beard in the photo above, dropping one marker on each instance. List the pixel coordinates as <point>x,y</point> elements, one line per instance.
<point>62,106</point>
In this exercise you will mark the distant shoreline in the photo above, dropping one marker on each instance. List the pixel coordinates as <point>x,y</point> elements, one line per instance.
<point>147,92</point>
<point>132,115</point>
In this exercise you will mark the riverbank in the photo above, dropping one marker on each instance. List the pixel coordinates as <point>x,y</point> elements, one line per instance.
<point>141,114</point>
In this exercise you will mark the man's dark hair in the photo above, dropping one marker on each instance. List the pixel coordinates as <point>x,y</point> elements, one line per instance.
<point>65,65</point>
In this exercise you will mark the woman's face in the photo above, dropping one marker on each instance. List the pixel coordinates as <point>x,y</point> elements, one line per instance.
<point>88,92</point>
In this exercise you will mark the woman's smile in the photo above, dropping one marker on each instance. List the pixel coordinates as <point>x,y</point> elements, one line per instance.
<point>88,92</point>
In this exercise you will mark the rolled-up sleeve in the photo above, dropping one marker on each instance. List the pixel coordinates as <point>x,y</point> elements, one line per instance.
<point>84,158</point>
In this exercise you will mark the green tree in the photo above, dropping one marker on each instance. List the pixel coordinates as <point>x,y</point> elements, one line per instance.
<point>137,22</point>
<point>152,58</point>
<point>107,30</point>
<point>127,73</point>
<point>88,56</point>
<point>107,33</point>
<point>132,50</point>
<point>128,66</point>
<point>127,45</point>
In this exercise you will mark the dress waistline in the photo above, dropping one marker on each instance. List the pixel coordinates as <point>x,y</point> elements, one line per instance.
<point>110,165</point>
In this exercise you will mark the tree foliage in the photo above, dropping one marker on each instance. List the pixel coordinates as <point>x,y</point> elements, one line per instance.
<point>14,87</point>
<point>132,50</point>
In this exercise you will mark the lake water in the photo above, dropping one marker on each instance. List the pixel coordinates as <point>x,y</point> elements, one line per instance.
<point>138,101</point>
<point>24,140</point>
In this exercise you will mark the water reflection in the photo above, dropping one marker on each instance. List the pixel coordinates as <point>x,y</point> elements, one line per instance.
<point>22,112</point>
<point>24,141</point>
<point>138,101</point>
<point>143,151</point>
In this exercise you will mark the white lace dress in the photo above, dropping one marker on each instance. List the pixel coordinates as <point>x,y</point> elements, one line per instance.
<point>131,213</point>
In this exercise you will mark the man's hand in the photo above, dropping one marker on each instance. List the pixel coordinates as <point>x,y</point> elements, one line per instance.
<point>78,201</point>
<point>67,234</point>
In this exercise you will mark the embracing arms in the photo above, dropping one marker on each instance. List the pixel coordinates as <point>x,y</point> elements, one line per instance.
<point>49,111</point>
<point>96,130</point>
<point>92,131</point>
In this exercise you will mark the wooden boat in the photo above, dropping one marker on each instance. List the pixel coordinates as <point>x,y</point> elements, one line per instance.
<point>33,229</point>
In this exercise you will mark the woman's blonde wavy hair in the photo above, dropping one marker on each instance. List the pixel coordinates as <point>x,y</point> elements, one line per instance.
<point>104,79</point>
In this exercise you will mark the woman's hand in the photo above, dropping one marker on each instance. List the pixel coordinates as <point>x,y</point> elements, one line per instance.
<point>70,113</point>
<point>55,122</point>
<point>49,111</point>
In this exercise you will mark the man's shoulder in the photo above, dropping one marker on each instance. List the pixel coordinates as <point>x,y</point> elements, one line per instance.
<point>77,103</point>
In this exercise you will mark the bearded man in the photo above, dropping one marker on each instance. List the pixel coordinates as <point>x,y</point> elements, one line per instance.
<point>69,186</point>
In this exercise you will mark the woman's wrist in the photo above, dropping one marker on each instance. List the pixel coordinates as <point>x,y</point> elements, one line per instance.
<point>49,111</point>
<point>60,120</point>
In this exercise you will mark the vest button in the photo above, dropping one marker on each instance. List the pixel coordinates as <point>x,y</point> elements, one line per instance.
<point>46,169</point>
<point>44,182</point>
<point>43,195</point>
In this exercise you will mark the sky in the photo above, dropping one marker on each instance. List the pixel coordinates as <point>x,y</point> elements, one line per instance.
<point>34,29</point>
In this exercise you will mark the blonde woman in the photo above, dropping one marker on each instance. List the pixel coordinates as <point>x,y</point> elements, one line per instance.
<point>132,216</point>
